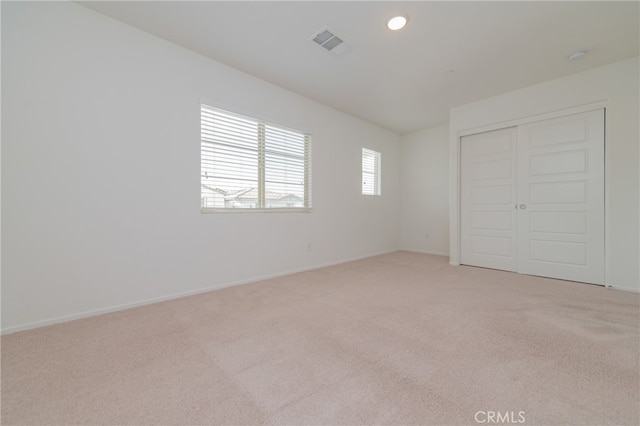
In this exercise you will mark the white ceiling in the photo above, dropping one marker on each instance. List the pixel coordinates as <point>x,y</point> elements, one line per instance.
<point>397,80</point>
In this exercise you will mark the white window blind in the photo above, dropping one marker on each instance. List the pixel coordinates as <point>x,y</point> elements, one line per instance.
<point>249,164</point>
<point>371,164</point>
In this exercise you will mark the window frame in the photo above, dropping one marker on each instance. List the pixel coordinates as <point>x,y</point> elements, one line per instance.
<point>376,173</point>
<point>262,165</point>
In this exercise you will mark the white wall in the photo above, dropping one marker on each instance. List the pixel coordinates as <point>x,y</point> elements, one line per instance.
<point>425,190</point>
<point>101,172</point>
<point>616,87</point>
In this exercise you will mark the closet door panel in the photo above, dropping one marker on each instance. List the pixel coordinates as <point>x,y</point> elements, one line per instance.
<point>561,198</point>
<point>488,184</point>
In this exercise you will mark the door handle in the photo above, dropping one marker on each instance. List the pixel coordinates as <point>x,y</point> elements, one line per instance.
<point>523,206</point>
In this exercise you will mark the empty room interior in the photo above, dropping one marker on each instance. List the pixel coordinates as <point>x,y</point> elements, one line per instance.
<point>320,212</point>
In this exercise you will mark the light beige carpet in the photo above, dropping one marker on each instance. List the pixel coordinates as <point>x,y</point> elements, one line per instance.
<point>402,338</point>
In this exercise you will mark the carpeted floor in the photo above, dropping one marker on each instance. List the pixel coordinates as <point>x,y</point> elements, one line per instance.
<point>402,338</point>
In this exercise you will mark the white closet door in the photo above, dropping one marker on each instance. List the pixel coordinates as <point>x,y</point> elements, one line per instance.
<point>561,198</point>
<point>488,191</point>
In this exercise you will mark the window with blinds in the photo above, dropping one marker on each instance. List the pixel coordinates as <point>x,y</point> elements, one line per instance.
<point>371,164</point>
<point>250,165</point>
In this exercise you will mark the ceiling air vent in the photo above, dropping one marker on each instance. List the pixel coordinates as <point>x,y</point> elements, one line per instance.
<point>329,41</point>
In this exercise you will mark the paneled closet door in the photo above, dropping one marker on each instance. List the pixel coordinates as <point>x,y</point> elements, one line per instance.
<point>487,199</point>
<point>561,198</point>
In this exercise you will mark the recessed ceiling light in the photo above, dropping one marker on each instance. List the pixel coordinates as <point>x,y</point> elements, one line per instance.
<point>577,55</point>
<point>397,23</point>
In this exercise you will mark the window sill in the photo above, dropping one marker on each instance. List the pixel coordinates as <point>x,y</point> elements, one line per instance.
<point>208,210</point>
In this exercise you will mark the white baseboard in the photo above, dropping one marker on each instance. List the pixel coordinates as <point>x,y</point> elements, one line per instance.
<point>630,290</point>
<point>435,253</point>
<point>107,310</point>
